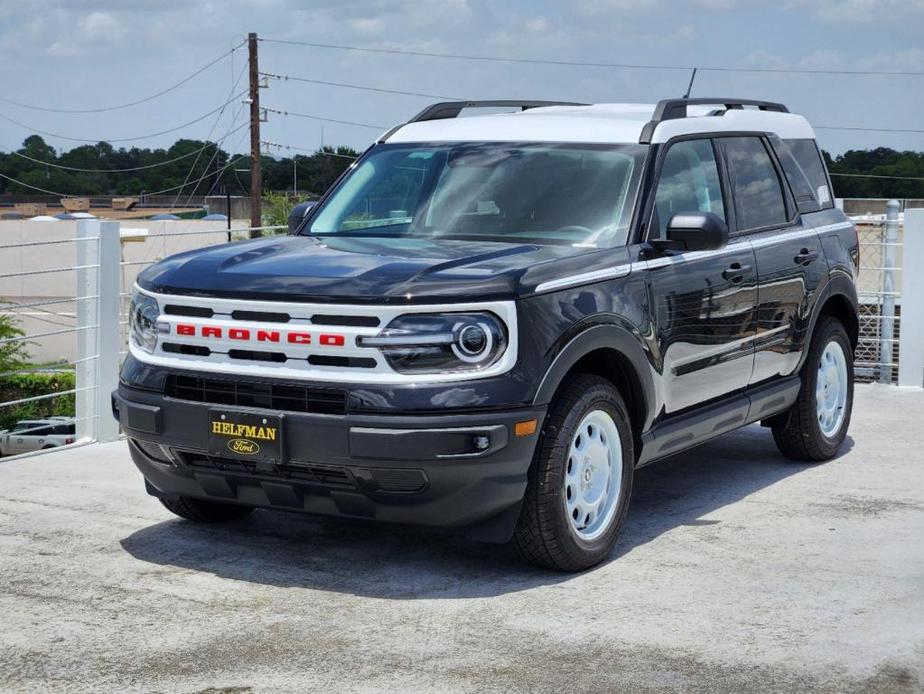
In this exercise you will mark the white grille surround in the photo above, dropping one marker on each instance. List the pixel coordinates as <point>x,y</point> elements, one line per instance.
<point>300,338</point>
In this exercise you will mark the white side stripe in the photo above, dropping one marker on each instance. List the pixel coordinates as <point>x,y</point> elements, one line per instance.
<point>741,244</point>
<point>585,278</point>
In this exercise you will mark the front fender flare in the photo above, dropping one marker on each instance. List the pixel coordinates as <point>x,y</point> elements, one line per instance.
<point>606,336</point>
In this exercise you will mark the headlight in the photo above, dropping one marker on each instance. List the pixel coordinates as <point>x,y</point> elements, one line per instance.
<point>441,343</point>
<point>142,322</point>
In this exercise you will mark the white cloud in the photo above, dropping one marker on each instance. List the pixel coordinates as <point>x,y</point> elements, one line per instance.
<point>857,11</point>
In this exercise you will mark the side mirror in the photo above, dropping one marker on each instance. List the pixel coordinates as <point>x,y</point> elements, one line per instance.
<point>297,215</point>
<point>694,231</point>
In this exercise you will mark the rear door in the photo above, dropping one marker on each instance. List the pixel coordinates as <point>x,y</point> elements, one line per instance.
<point>790,262</point>
<point>703,303</point>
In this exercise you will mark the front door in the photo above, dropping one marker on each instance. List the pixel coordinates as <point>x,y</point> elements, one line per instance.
<point>703,303</point>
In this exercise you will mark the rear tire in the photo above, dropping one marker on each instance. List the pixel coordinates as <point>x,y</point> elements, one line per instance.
<point>202,511</point>
<point>816,426</point>
<point>579,484</point>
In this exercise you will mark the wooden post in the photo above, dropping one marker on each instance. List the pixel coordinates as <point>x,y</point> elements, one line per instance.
<point>256,178</point>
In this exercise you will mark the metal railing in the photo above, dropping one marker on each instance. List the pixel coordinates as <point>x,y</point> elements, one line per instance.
<point>97,321</point>
<point>103,280</point>
<point>13,402</point>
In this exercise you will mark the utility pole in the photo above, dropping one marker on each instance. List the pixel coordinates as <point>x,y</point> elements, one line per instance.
<point>256,178</point>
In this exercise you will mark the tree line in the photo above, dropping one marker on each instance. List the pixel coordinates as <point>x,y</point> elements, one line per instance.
<point>221,171</point>
<point>102,169</point>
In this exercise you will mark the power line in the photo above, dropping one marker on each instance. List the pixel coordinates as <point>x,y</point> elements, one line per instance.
<point>305,149</point>
<point>131,103</point>
<point>67,195</point>
<point>896,178</point>
<point>124,139</point>
<point>201,178</point>
<point>358,86</point>
<point>28,185</point>
<point>240,141</point>
<point>328,120</point>
<point>581,63</point>
<point>457,98</point>
<point>208,165</point>
<point>211,130</point>
<point>133,168</point>
<point>873,130</point>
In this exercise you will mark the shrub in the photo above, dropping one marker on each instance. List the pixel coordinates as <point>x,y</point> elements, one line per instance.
<point>20,386</point>
<point>12,354</point>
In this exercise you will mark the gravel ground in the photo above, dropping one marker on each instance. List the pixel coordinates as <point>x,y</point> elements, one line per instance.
<point>737,572</point>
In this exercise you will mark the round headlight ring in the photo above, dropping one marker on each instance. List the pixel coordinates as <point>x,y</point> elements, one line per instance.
<point>473,342</point>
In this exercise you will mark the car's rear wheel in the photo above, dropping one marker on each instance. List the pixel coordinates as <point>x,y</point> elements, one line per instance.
<point>580,483</point>
<point>203,511</point>
<point>817,424</point>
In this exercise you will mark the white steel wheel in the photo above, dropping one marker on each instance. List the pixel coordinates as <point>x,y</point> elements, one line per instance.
<point>593,475</point>
<point>831,389</point>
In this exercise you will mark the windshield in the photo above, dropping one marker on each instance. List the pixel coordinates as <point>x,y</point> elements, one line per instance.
<point>536,193</point>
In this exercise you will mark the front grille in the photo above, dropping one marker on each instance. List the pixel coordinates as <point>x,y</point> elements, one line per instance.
<point>329,476</point>
<point>196,350</point>
<point>272,396</point>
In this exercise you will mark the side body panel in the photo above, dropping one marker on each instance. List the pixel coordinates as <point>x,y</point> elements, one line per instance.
<point>704,321</point>
<point>791,267</point>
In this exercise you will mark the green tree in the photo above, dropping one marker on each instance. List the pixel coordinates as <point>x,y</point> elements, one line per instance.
<point>12,354</point>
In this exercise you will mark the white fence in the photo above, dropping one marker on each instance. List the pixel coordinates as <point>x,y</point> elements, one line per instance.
<point>68,293</point>
<point>71,291</point>
<point>911,351</point>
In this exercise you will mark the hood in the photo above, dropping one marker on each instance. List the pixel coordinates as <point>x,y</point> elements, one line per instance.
<point>350,269</point>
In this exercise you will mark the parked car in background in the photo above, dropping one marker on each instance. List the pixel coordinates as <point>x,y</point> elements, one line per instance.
<point>37,434</point>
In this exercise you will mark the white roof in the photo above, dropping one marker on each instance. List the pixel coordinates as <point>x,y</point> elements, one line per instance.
<point>597,123</point>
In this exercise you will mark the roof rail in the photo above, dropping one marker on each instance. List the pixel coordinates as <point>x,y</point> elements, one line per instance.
<point>670,109</point>
<point>451,109</point>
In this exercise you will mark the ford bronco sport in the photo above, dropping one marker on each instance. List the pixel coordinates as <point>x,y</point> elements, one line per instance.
<point>490,322</point>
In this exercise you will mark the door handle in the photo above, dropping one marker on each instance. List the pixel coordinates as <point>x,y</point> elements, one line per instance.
<point>806,257</point>
<point>735,272</point>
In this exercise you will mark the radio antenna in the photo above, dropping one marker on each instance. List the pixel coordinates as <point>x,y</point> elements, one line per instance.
<point>690,86</point>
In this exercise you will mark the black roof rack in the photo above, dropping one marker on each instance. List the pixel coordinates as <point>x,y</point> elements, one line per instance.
<point>451,109</point>
<point>670,109</point>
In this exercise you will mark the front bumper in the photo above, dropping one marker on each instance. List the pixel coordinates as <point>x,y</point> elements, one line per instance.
<point>402,469</point>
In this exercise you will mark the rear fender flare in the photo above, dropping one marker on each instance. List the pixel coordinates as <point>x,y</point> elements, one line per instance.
<point>839,285</point>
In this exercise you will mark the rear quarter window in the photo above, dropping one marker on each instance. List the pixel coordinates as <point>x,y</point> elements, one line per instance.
<point>806,154</point>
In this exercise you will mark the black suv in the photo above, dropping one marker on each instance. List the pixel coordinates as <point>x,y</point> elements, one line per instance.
<point>490,322</point>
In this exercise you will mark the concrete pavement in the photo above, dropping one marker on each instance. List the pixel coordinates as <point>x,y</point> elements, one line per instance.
<point>737,572</point>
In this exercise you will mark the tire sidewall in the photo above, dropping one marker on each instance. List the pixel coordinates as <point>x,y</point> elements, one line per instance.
<point>831,331</point>
<point>597,398</point>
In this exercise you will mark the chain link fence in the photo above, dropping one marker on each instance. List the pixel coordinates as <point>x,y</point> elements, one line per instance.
<point>876,357</point>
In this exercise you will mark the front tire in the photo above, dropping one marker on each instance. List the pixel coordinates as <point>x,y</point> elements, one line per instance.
<point>202,511</point>
<point>817,424</point>
<point>579,485</point>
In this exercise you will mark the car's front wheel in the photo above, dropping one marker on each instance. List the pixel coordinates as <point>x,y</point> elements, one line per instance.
<point>203,511</point>
<point>580,483</point>
<point>816,426</point>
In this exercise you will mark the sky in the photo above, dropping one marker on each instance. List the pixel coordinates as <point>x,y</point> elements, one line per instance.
<point>91,54</point>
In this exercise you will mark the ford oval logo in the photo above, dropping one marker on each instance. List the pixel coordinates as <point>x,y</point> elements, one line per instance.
<point>243,447</point>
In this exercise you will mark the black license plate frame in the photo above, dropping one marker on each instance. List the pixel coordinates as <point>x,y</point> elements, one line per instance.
<point>246,435</point>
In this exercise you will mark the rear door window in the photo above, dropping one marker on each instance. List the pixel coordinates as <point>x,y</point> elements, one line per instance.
<point>755,185</point>
<point>805,152</point>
